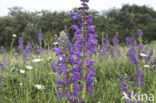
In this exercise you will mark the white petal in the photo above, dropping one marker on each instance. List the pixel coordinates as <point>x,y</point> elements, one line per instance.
<point>38,86</point>
<point>14,35</point>
<point>60,58</point>
<point>29,67</point>
<point>22,71</point>
<point>143,55</point>
<point>20,84</point>
<point>55,43</point>
<point>37,60</point>
<point>146,66</point>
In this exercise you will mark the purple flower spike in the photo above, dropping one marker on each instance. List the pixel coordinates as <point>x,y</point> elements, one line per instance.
<point>21,45</point>
<point>77,56</point>
<point>124,83</point>
<point>40,36</point>
<point>3,51</point>
<point>2,68</point>
<point>140,78</point>
<point>139,32</point>
<point>127,40</point>
<point>115,52</point>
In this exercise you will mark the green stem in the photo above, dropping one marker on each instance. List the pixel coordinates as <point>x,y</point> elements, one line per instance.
<point>12,42</point>
<point>84,58</point>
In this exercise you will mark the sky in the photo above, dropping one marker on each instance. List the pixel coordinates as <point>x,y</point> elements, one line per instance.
<point>66,5</point>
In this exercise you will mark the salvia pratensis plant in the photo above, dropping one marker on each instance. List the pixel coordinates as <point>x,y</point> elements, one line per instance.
<point>21,44</point>
<point>1,73</point>
<point>40,38</point>
<point>3,64</point>
<point>153,69</point>
<point>136,56</point>
<point>105,46</point>
<point>25,51</point>
<point>83,47</point>
<point>103,50</point>
<point>4,61</point>
<point>63,52</point>
<point>124,83</point>
<point>3,51</point>
<point>115,52</point>
<point>81,81</point>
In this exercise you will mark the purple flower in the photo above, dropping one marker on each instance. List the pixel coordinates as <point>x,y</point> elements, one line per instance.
<point>3,51</point>
<point>61,94</point>
<point>40,36</point>
<point>139,32</point>
<point>74,27</point>
<point>105,47</point>
<point>75,16</point>
<point>60,82</point>
<point>127,40</point>
<point>115,52</point>
<point>2,68</point>
<point>149,58</point>
<point>77,56</point>
<point>124,83</point>
<point>65,57</point>
<point>132,55</point>
<point>28,49</point>
<point>89,88</point>
<point>21,44</point>
<point>85,46</point>
<point>89,77</point>
<point>140,78</point>
<point>152,69</point>
<point>58,51</point>
<point>38,50</point>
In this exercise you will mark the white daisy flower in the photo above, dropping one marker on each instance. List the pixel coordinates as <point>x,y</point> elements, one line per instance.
<point>37,60</point>
<point>29,67</point>
<point>143,55</point>
<point>20,84</point>
<point>49,58</point>
<point>38,86</point>
<point>55,43</point>
<point>22,71</point>
<point>146,66</point>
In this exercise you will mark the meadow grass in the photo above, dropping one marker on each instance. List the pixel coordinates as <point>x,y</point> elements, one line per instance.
<point>16,87</point>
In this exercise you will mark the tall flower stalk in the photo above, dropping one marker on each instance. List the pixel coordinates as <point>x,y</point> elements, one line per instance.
<point>14,36</point>
<point>40,38</point>
<point>136,56</point>
<point>84,46</point>
<point>115,52</point>
<point>79,80</point>
<point>63,68</point>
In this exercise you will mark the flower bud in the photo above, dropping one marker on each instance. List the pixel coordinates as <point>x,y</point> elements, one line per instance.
<point>14,35</point>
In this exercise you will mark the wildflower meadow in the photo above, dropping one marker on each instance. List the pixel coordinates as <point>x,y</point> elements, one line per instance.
<point>78,68</point>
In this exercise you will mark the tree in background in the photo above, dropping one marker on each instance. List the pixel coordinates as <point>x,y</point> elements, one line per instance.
<point>124,21</point>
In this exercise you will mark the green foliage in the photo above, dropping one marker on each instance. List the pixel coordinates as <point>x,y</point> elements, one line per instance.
<point>16,87</point>
<point>124,21</point>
